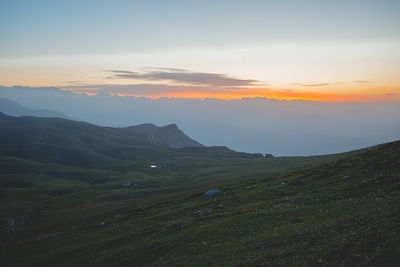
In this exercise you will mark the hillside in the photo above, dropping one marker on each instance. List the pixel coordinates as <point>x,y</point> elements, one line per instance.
<point>169,134</point>
<point>82,144</point>
<point>341,213</point>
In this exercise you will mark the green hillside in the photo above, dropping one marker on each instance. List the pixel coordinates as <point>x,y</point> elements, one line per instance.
<point>73,193</point>
<point>341,213</point>
<point>61,141</point>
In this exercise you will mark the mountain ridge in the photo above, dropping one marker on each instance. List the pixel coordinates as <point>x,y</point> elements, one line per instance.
<point>13,108</point>
<point>82,144</point>
<point>169,134</point>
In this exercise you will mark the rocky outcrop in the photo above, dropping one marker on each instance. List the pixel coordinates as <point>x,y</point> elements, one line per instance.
<point>169,134</point>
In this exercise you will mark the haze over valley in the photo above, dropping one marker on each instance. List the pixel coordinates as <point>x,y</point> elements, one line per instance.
<point>254,125</point>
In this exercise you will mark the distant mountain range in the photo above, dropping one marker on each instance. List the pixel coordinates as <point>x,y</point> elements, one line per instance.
<point>169,134</point>
<point>14,109</point>
<point>62,141</point>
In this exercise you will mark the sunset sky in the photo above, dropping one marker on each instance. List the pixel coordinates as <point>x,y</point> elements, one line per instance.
<point>313,50</point>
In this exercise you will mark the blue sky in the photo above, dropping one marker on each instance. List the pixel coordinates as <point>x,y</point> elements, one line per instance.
<point>280,44</point>
<point>31,28</point>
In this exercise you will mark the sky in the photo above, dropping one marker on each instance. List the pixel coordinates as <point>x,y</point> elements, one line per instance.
<point>286,77</point>
<point>326,51</point>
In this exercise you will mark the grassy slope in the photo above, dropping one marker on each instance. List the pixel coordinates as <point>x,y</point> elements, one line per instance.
<point>315,218</point>
<point>54,164</point>
<point>48,186</point>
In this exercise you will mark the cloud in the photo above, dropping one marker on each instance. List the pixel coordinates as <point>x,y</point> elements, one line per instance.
<point>183,76</point>
<point>123,72</point>
<point>159,68</point>
<point>331,83</point>
<point>313,84</point>
<point>390,94</point>
<point>362,81</point>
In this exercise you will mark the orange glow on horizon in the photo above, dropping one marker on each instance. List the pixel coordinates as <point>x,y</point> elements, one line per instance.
<point>265,93</point>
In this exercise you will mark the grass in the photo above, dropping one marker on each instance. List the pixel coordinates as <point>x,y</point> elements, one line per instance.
<point>61,183</point>
<point>269,216</point>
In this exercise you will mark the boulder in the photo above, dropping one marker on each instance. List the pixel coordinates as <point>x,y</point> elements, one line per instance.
<point>212,192</point>
<point>198,213</point>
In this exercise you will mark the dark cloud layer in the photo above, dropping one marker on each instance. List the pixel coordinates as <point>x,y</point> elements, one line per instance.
<point>183,76</point>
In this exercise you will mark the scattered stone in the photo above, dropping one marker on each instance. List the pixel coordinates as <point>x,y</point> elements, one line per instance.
<point>11,226</point>
<point>117,215</point>
<point>220,206</point>
<point>198,213</point>
<point>346,177</point>
<point>212,192</point>
<point>340,197</point>
<point>195,180</point>
<point>283,183</point>
<point>202,213</point>
<point>130,185</point>
<point>101,223</point>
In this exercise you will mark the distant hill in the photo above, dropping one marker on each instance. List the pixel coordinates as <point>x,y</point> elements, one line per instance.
<point>62,141</point>
<point>14,109</point>
<point>169,134</point>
